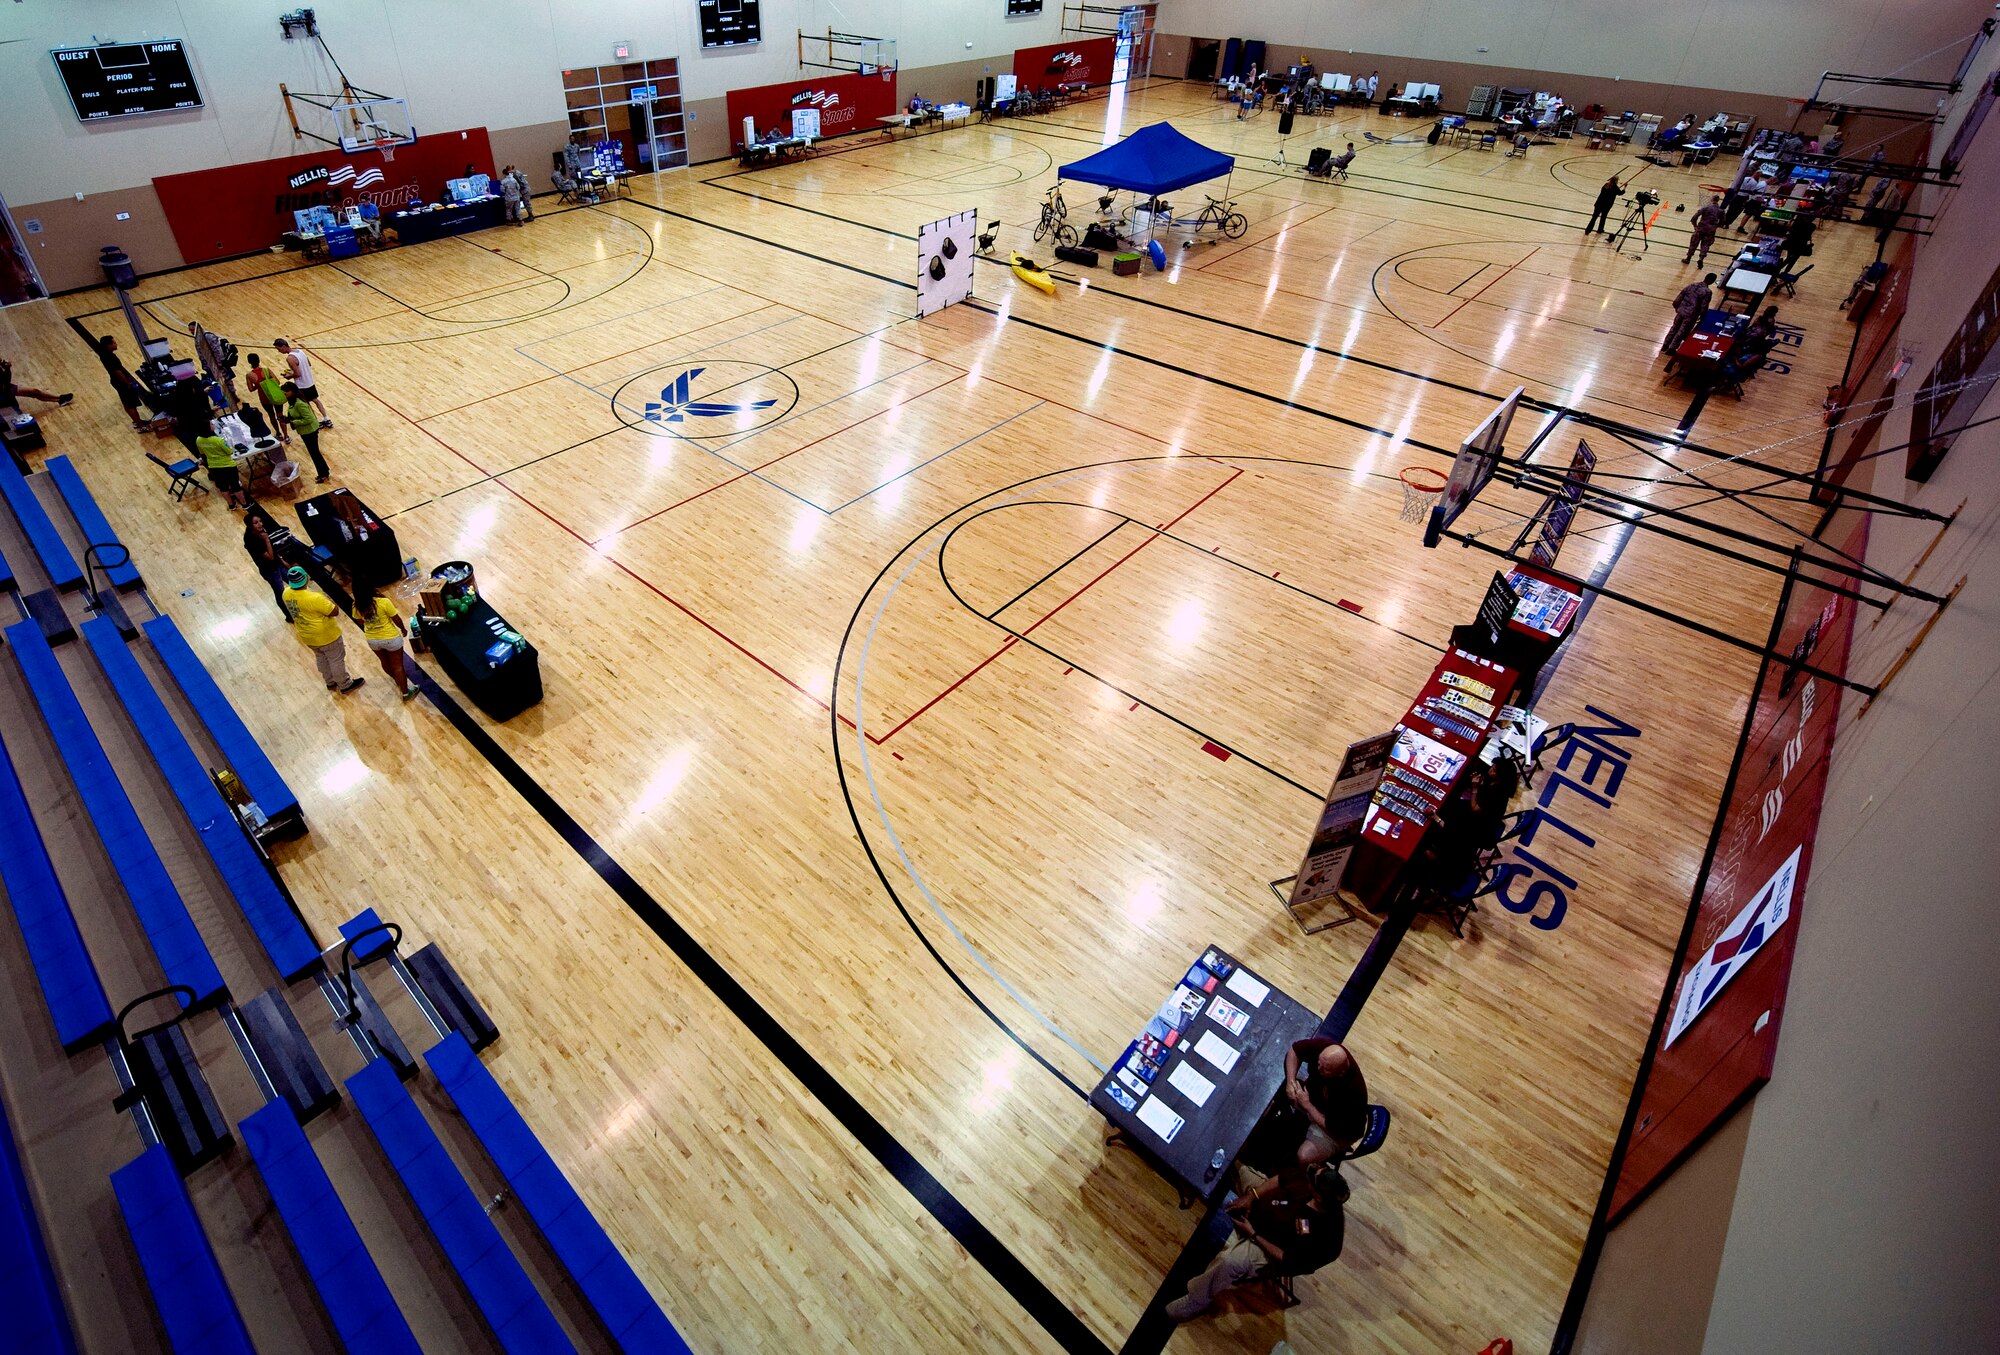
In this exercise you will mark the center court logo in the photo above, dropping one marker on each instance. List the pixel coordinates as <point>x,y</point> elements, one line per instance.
<point>675,403</point>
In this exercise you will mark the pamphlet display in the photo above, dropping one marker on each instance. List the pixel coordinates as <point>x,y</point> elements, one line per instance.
<point>1561,507</point>
<point>1339,824</point>
<point>1187,1092</point>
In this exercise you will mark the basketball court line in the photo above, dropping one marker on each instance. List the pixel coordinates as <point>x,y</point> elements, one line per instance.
<point>1483,290</point>
<point>870,1133</point>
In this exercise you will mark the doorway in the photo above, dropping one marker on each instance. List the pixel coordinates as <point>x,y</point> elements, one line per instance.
<point>1204,59</point>
<point>18,279</point>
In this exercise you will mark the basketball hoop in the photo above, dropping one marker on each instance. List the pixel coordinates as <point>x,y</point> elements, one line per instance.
<point>387,147</point>
<point>1422,488</point>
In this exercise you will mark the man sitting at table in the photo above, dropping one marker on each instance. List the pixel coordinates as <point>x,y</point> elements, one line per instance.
<point>1291,1224</point>
<point>1324,1083</point>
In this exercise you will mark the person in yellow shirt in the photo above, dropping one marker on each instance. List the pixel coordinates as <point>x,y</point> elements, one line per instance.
<point>314,622</point>
<point>222,472</point>
<point>382,626</point>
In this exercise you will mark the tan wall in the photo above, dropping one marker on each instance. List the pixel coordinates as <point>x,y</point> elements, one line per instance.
<point>65,251</point>
<point>1657,1277</point>
<point>530,148</point>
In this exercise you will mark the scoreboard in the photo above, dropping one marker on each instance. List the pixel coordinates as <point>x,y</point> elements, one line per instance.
<point>730,23</point>
<point>120,80</point>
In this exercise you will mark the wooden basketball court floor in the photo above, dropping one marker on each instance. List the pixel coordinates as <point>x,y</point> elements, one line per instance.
<point>906,739</point>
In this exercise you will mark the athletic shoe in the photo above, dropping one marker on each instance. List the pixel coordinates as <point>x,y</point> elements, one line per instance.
<point>1183,1309</point>
<point>352,683</point>
<point>327,424</point>
<point>409,692</point>
<point>320,479</point>
<point>65,397</point>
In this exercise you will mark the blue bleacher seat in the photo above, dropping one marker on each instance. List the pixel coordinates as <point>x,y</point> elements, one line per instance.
<point>245,756</point>
<point>573,1232</point>
<point>270,914</point>
<point>187,1285</point>
<point>183,956</point>
<point>492,1274</point>
<point>69,980</point>
<point>59,564</point>
<point>6,575</point>
<point>29,1295</point>
<point>90,519</point>
<point>350,1285</point>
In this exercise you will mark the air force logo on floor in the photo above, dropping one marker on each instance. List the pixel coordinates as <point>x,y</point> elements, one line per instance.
<point>675,405</point>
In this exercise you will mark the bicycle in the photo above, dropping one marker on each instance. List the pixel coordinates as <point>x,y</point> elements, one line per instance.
<point>1223,216</point>
<point>1055,214</point>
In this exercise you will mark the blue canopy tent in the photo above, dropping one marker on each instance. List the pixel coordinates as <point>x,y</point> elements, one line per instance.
<point>1151,161</point>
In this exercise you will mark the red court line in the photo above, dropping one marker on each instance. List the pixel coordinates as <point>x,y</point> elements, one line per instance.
<point>721,484</point>
<point>1014,640</point>
<point>1482,291</point>
<point>619,565</point>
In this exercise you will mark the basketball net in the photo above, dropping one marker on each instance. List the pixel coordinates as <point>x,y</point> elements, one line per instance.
<point>1422,488</point>
<point>388,149</point>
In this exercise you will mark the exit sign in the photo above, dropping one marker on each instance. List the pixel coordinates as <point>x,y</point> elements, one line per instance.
<point>621,51</point>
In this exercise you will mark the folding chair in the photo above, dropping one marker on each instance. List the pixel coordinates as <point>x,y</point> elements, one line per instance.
<point>1487,141</point>
<point>1789,281</point>
<point>1552,738</point>
<point>180,476</point>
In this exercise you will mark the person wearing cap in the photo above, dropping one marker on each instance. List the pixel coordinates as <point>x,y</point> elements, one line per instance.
<point>1291,1224</point>
<point>312,613</point>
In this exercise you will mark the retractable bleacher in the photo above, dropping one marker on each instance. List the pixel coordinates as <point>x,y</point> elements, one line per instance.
<point>188,1290</point>
<point>350,1285</point>
<point>90,519</point>
<point>578,1240</point>
<point>269,913</point>
<point>182,954</point>
<point>490,1271</point>
<point>238,746</point>
<point>70,985</point>
<point>30,1297</point>
<point>57,562</point>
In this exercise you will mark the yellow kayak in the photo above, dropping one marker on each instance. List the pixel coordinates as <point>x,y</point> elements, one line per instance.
<point>1028,271</point>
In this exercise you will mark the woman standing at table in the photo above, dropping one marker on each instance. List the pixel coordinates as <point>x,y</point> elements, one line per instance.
<point>263,553</point>
<point>382,627</point>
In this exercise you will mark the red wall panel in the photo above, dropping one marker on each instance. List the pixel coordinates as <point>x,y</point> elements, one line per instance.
<point>1066,63</point>
<point>239,209</point>
<point>846,103</point>
<point>1727,1052</point>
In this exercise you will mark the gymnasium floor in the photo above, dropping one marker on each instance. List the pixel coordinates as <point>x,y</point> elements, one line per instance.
<point>934,717</point>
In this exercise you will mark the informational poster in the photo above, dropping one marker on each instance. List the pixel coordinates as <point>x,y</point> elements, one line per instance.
<point>1739,943</point>
<point>1339,825</point>
<point>1496,609</point>
<point>944,261</point>
<point>805,123</point>
<point>1560,509</point>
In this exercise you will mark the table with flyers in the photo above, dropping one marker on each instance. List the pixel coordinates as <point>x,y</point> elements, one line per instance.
<point>1186,1094</point>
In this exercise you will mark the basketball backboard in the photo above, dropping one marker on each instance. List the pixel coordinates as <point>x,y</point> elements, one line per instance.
<point>1478,457</point>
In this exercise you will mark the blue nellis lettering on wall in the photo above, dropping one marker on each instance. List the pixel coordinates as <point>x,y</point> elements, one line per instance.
<point>1592,766</point>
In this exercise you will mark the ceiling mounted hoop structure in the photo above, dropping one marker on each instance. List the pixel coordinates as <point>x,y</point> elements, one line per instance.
<point>854,53</point>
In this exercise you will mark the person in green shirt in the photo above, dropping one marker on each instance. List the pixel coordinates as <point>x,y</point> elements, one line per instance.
<point>299,413</point>
<point>271,395</point>
<point>222,473</point>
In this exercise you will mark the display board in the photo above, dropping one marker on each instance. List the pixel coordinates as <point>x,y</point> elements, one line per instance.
<point>123,80</point>
<point>944,261</point>
<point>730,23</point>
<point>1478,457</point>
<point>1339,825</point>
<point>1016,8</point>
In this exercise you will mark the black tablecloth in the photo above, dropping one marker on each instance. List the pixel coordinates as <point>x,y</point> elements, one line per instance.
<point>375,559</point>
<point>460,648</point>
<point>414,227</point>
<point>1233,1108</point>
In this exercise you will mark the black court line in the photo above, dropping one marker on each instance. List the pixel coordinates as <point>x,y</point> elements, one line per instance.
<point>989,1251</point>
<point>1155,1328</point>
